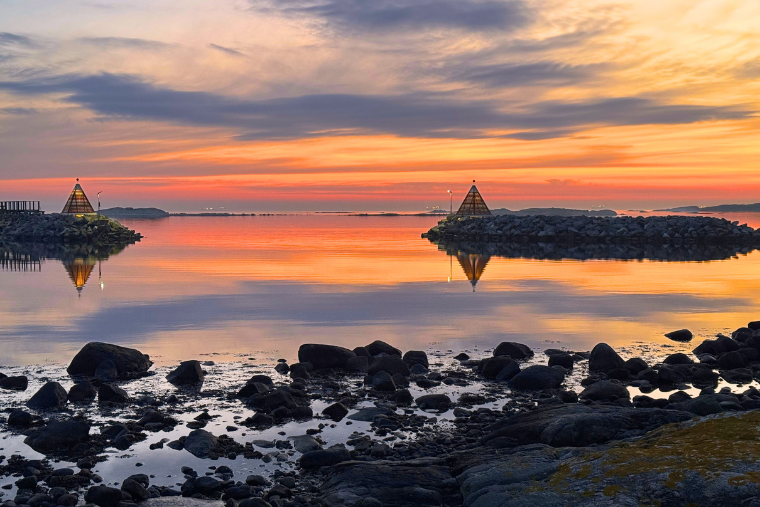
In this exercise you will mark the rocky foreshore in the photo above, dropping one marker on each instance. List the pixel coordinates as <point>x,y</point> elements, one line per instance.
<point>375,426</point>
<point>66,229</point>
<point>654,230</point>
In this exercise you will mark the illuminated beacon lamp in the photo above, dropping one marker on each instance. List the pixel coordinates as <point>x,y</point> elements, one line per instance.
<point>78,204</point>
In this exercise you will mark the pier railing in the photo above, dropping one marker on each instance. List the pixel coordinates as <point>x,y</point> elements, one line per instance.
<point>29,207</point>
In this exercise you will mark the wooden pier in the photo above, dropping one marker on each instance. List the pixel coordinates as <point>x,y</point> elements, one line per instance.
<point>21,207</point>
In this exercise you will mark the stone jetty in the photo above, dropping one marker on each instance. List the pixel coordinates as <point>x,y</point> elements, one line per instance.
<point>650,230</point>
<point>65,229</point>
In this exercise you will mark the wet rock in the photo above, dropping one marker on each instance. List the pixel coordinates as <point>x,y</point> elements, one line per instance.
<point>413,357</point>
<point>358,364</point>
<point>324,457</point>
<point>207,486</point>
<point>262,379</point>
<point>336,411</point>
<point>199,443</point>
<point>461,357</point>
<point>537,377</point>
<point>702,405</point>
<point>19,419</point>
<point>254,502</point>
<point>324,356</point>
<point>83,392</point>
<point>362,352</point>
<point>19,383</point>
<point>418,369</point>
<point>731,360</point>
<point>103,496</point>
<point>51,396</point>
<point>434,402</point>
<point>402,397</point>
<point>635,365</point>
<point>128,361</point>
<point>604,358</point>
<point>58,435</point>
<point>738,376</point>
<point>605,391</point>
<point>279,398</point>
<point>252,389</point>
<point>682,335</point>
<point>390,364</point>
<point>282,368</point>
<point>238,493</point>
<point>678,358</point>
<point>106,371</point>
<point>563,359</point>
<point>378,347</point>
<point>256,480</point>
<point>187,373</point>
<point>382,381</point>
<point>137,491</point>
<point>305,443</point>
<point>492,366</point>
<point>514,350</point>
<point>112,393</point>
<point>678,397</point>
<point>301,371</point>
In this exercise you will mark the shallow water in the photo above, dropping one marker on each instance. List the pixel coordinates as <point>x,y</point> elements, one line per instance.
<point>231,286</point>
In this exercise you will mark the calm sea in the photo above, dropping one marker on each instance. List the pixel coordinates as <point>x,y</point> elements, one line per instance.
<point>237,286</point>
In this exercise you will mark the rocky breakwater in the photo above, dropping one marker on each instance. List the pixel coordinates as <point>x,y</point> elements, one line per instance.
<point>65,229</point>
<point>655,230</point>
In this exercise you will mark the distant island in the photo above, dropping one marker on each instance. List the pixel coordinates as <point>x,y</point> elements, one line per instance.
<point>722,208</point>
<point>134,213</point>
<point>556,212</point>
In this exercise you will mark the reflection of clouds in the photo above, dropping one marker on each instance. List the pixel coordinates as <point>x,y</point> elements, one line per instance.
<point>289,307</point>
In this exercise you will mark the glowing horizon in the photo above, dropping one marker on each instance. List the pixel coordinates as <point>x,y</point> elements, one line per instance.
<point>339,104</point>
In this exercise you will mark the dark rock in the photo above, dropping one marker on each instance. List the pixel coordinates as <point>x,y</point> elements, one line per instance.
<point>728,344</point>
<point>390,364</point>
<point>563,359</point>
<point>648,374</point>
<point>200,442</point>
<point>262,379</point>
<point>568,396</point>
<point>300,371</point>
<point>508,372</point>
<point>678,358</point>
<point>324,356</point>
<point>702,405</point>
<point>493,365</point>
<point>382,381</point>
<point>604,358</point>
<point>137,491</point>
<point>413,357</point>
<point>358,364</point>
<point>336,411</point>
<point>754,325</point>
<point>712,347</point>
<point>58,435</point>
<point>103,496</point>
<point>187,373</point>
<point>537,377</point>
<point>434,402</point>
<point>619,374</point>
<point>252,389</point>
<point>668,376</point>
<point>678,397</point>
<point>325,457</point>
<point>207,486</point>
<point>256,480</point>
<point>82,392</point>
<point>238,493</point>
<point>738,376</point>
<point>112,393</point>
<point>106,371</point>
<point>19,383</point>
<point>461,357</point>
<point>282,368</point>
<point>279,398</point>
<point>731,360</point>
<point>605,391</point>
<point>254,502</point>
<point>401,397</point>
<point>128,361</point>
<point>362,352</point>
<point>50,396</point>
<point>514,350</point>
<point>682,335</point>
<point>378,347</point>
<point>19,419</point>
<point>635,365</point>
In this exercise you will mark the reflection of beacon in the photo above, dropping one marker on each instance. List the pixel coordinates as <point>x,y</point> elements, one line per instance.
<point>100,277</point>
<point>79,272</point>
<point>473,266</point>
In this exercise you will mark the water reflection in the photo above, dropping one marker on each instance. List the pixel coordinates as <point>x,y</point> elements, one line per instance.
<point>473,265</point>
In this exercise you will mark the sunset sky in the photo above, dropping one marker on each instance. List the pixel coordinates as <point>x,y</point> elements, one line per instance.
<point>288,105</point>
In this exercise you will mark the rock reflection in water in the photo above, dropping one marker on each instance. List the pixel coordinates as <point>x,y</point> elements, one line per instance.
<point>602,251</point>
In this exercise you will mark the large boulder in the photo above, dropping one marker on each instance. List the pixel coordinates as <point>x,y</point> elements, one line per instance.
<point>324,356</point>
<point>200,443</point>
<point>187,373</point>
<point>604,358</point>
<point>413,357</point>
<point>378,347</point>
<point>58,436</point>
<point>325,457</point>
<point>128,361</point>
<point>107,371</point>
<point>51,396</point>
<point>605,390</point>
<point>537,377</point>
<point>513,349</point>
<point>492,366</point>
<point>391,364</point>
<point>82,392</point>
<point>382,381</point>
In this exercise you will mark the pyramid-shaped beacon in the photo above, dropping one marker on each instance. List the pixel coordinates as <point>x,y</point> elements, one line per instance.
<point>78,202</point>
<point>473,203</point>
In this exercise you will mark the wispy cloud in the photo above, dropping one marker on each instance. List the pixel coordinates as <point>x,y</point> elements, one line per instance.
<point>124,42</point>
<point>407,115</point>
<point>12,39</point>
<point>227,50</point>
